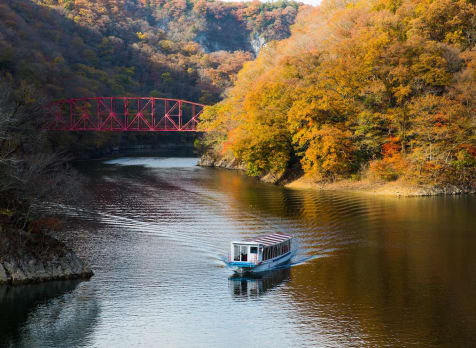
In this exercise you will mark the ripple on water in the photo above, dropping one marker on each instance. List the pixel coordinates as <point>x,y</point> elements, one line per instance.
<point>158,230</point>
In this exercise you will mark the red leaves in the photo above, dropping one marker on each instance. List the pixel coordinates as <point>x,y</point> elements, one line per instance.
<point>470,149</point>
<point>391,147</point>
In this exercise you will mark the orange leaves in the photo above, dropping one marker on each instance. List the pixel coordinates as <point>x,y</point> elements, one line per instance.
<point>392,165</point>
<point>357,85</point>
<point>176,7</point>
<point>329,153</point>
<point>391,147</point>
<point>221,67</point>
<point>389,168</point>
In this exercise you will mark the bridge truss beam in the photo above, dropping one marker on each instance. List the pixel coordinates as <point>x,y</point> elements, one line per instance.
<point>108,114</point>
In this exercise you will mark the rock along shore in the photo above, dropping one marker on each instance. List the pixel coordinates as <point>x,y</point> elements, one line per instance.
<point>30,258</point>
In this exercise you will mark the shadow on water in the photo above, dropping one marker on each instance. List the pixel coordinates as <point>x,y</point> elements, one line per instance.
<point>252,286</point>
<point>35,313</point>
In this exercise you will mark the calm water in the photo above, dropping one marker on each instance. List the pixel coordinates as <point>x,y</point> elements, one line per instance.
<point>371,271</point>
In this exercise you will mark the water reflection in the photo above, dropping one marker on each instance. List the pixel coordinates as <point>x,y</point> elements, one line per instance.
<point>371,271</point>
<point>35,313</point>
<point>253,286</point>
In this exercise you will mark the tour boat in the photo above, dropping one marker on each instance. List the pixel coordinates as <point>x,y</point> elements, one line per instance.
<point>261,253</point>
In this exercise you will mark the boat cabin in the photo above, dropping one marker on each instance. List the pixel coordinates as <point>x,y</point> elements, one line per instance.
<point>261,249</point>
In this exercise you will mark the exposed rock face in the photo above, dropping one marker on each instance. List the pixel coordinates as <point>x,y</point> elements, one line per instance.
<point>212,160</point>
<point>26,257</point>
<point>443,190</point>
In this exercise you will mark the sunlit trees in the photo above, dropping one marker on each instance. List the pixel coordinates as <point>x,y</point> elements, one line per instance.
<point>329,153</point>
<point>262,139</point>
<point>386,86</point>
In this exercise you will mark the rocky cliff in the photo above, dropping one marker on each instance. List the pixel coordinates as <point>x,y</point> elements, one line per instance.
<point>211,159</point>
<point>27,258</point>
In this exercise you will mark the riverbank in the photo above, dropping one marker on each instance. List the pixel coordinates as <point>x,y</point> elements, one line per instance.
<point>30,258</point>
<point>394,188</point>
<point>295,179</point>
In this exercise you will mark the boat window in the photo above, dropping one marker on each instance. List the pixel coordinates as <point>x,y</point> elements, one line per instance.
<point>253,250</point>
<point>244,253</point>
<point>236,253</point>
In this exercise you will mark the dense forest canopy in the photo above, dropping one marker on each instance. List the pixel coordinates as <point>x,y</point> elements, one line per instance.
<point>181,49</point>
<point>383,89</point>
<point>177,48</point>
<point>55,49</point>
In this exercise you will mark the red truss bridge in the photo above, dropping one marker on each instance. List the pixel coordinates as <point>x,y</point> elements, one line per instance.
<point>109,114</point>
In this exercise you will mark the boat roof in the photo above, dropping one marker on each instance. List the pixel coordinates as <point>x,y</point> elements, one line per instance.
<point>267,240</point>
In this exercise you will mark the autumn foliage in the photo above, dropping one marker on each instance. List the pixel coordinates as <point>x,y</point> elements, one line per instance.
<point>176,48</point>
<point>379,88</point>
<point>187,49</point>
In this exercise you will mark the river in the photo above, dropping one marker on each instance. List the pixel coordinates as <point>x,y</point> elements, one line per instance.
<point>371,270</point>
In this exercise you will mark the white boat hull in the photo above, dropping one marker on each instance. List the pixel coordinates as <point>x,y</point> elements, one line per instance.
<point>265,265</point>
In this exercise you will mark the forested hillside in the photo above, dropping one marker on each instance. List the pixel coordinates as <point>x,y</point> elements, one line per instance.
<point>187,49</point>
<point>380,89</point>
<point>178,48</point>
<point>55,49</point>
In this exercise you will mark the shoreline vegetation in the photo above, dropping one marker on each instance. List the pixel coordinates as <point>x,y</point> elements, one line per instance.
<point>295,179</point>
<point>374,96</point>
<point>398,188</point>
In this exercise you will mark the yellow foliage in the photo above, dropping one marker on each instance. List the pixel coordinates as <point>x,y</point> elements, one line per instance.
<point>329,153</point>
<point>351,76</point>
